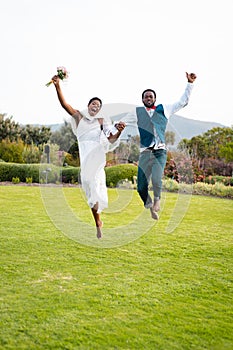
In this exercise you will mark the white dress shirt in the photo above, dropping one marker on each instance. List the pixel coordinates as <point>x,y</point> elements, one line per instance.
<point>169,109</point>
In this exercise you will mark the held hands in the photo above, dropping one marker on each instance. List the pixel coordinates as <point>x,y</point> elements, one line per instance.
<point>120,126</point>
<point>191,77</point>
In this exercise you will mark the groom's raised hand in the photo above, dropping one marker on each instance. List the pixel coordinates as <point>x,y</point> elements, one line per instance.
<point>191,77</point>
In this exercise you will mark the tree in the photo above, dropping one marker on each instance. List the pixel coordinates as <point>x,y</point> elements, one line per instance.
<point>122,152</point>
<point>211,149</point>
<point>134,153</point>
<point>170,137</point>
<point>35,135</point>
<point>216,138</point>
<point>8,129</point>
<point>64,137</point>
<point>227,152</point>
<point>66,141</point>
<point>209,144</point>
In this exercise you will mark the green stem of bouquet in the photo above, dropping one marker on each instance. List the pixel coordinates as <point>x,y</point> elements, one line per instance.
<point>49,83</point>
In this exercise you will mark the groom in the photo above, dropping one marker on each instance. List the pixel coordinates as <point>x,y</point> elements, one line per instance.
<point>152,121</point>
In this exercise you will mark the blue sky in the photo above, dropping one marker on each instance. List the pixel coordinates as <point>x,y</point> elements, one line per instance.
<point>115,50</point>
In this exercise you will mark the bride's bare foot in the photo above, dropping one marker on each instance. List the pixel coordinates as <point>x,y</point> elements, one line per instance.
<point>98,229</point>
<point>154,215</point>
<point>99,232</point>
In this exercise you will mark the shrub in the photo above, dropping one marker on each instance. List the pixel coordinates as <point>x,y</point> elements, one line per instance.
<point>11,170</point>
<point>35,171</point>
<point>200,188</point>
<point>71,174</point>
<point>15,180</point>
<point>217,167</point>
<point>225,180</point>
<point>179,167</point>
<point>120,172</point>
<point>170,185</point>
<point>11,151</point>
<point>220,190</point>
<point>123,175</point>
<point>28,180</point>
<point>70,160</point>
<point>31,154</point>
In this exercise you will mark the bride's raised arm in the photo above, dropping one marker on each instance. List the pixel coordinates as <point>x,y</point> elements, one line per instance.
<point>69,109</point>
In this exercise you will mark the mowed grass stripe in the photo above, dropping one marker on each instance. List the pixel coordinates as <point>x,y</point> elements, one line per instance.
<point>162,291</point>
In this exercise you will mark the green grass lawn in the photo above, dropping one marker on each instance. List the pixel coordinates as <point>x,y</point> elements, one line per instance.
<point>153,290</point>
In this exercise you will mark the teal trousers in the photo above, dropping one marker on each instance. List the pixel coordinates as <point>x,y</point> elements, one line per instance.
<point>151,167</point>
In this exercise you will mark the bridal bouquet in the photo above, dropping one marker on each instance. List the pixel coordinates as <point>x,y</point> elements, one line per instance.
<point>62,74</point>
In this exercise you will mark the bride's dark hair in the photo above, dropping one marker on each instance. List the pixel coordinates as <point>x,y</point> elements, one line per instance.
<point>94,99</point>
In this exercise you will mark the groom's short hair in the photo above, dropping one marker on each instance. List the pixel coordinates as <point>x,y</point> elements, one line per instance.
<point>147,90</point>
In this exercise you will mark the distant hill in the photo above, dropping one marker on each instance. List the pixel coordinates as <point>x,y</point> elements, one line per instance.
<point>187,128</point>
<point>53,127</point>
<point>182,127</point>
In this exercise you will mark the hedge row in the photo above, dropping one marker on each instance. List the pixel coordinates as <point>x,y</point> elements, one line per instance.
<point>217,189</point>
<point>123,175</point>
<point>48,173</point>
<point>213,179</point>
<point>37,172</point>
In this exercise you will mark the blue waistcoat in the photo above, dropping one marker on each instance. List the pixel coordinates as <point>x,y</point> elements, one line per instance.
<point>146,125</point>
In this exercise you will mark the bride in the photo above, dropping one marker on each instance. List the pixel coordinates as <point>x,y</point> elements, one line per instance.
<point>94,134</point>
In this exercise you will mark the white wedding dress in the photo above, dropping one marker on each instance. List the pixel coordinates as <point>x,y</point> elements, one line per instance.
<point>93,145</point>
